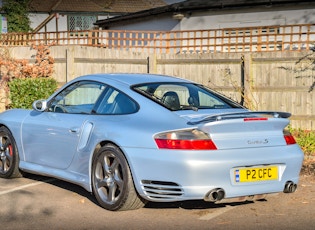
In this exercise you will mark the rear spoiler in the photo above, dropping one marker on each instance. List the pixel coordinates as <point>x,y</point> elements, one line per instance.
<point>227,116</point>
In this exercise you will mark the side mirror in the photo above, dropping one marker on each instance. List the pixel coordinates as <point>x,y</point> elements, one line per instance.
<point>39,105</point>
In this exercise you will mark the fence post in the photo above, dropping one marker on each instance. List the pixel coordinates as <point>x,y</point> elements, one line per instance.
<point>152,62</point>
<point>247,81</point>
<point>242,80</point>
<point>70,63</point>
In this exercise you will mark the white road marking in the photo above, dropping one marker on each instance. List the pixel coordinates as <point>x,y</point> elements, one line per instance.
<point>25,186</point>
<point>219,212</point>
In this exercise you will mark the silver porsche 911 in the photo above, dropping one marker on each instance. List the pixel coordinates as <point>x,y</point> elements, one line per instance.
<point>133,138</point>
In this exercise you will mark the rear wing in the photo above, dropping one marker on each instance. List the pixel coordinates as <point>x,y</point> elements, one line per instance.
<point>247,114</point>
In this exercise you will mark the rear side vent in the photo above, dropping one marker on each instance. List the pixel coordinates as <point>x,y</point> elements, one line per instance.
<point>161,190</point>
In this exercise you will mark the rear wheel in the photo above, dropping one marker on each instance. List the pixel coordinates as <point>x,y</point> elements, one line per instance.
<point>112,181</point>
<point>9,157</point>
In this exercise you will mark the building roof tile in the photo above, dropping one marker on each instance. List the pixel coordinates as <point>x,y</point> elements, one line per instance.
<point>95,6</point>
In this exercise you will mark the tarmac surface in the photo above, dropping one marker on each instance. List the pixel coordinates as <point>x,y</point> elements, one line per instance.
<point>38,202</point>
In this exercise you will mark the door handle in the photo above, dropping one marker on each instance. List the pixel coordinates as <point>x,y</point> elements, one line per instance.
<point>74,130</point>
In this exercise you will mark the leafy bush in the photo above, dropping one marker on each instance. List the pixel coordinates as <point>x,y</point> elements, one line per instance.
<point>17,15</point>
<point>306,140</point>
<point>11,68</point>
<point>23,92</point>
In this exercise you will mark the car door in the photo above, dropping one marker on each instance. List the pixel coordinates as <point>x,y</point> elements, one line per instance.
<point>51,138</point>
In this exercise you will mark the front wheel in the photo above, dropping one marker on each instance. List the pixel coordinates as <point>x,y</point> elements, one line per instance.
<point>9,157</point>
<point>112,181</point>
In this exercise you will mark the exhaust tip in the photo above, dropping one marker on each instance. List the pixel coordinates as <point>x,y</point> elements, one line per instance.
<point>214,195</point>
<point>289,187</point>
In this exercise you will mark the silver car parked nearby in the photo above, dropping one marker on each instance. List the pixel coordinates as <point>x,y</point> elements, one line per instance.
<point>133,138</point>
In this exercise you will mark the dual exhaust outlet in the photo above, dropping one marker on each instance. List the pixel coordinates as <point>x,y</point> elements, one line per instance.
<point>215,195</point>
<point>218,194</point>
<point>289,187</point>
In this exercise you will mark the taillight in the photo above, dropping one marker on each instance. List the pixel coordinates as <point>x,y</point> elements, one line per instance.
<point>192,139</point>
<point>289,139</point>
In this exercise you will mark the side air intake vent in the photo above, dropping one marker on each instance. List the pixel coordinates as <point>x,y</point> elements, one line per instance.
<point>161,190</point>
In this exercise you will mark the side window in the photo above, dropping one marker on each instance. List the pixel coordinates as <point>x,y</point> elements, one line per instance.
<point>173,96</point>
<point>207,100</point>
<point>77,98</point>
<point>115,102</point>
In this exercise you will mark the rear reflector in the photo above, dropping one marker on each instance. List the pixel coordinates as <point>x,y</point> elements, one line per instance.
<point>256,119</point>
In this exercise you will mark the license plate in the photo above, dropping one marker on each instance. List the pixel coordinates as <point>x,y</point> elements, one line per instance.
<point>256,174</point>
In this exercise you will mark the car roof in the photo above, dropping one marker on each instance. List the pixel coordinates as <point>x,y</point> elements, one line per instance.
<point>131,78</point>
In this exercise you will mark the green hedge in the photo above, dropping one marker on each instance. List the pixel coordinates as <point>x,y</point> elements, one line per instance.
<point>23,92</point>
<point>306,140</point>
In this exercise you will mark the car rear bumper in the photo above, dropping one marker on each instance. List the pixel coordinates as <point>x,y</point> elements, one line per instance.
<point>173,175</point>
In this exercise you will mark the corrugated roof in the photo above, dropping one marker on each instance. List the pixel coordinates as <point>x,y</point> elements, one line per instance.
<point>96,6</point>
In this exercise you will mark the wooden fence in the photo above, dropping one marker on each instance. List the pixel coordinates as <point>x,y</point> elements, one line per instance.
<point>226,40</point>
<point>262,81</point>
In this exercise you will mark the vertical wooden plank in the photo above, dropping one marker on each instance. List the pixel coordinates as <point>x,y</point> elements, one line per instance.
<point>283,37</point>
<point>153,63</point>
<point>70,63</point>
<point>215,41</point>
<point>259,39</point>
<point>89,38</point>
<point>229,42</point>
<point>300,37</point>
<point>248,80</point>
<point>208,42</point>
<point>251,41</point>
<point>154,42</point>
<point>161,42</point>
<point>267,44</point>
<point>291,38</point>
<point>222,40</point>
<point>167,42</point>
<point>308,37</point>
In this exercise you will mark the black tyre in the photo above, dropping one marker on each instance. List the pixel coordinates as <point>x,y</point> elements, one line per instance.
<point>9,157</point>
<point>112,181</point>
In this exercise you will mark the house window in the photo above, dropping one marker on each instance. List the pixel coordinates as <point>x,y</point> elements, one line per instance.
<point>80,22</point>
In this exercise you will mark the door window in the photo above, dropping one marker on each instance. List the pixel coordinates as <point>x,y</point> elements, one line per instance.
<point>77,98</point>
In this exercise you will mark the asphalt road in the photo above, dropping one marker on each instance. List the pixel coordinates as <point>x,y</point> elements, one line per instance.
<point>45,203</point>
